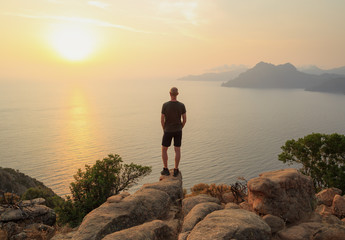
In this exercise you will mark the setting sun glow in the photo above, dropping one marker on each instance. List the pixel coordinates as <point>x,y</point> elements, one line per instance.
<point>73,43</point>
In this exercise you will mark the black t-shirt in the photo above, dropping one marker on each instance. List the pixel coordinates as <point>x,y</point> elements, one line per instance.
<point>173,111</point>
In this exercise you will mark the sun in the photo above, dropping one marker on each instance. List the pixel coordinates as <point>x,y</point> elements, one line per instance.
<point>73,43</point>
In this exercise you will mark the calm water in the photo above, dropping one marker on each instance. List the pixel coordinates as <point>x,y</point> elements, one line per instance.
<point>48,131</point>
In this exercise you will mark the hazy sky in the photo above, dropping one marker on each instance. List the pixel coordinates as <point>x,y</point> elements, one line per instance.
<point>79,39</point>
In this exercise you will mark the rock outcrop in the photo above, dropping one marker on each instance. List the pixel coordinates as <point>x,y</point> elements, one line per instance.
<point>280,206</point>
<point>231,224</point>
<point>283,193</point>
<point>132,217</point>
<point>26,220</point>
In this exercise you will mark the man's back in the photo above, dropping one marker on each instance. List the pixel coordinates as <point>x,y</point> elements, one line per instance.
<point>173,110</point>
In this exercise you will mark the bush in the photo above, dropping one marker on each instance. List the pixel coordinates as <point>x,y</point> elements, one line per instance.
<point>52,200</point>
<point>9,198</point>
<point>239,190</point>
<point>322,158</point>
<point>93,186</point>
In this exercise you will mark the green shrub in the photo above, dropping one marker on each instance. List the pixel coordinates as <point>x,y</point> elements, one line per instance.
<point>52,200</point>
<point>322,158</point>
<point>93,186</point>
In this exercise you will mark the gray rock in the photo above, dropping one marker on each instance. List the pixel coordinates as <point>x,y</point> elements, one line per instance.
<point>276,223</point>
<point>36,201</point>
<point>40,213</point>
<point>285,193</point>
<point>189,203</point>
<point>198,213</point>
<point>145,205</point>
<point>231,224</point>
<point>155,230</point>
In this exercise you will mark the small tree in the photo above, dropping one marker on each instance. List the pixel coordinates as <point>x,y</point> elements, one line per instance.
<point>322,157</point>
<point>93,186</point>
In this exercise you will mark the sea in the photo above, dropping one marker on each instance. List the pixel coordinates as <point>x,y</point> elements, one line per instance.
<point>50,130</point>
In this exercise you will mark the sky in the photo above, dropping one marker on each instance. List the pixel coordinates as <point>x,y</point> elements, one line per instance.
<point>66,40</point>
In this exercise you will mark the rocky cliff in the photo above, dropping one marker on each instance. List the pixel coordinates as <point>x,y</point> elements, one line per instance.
<point>13,181</point>
<point>281,205</point>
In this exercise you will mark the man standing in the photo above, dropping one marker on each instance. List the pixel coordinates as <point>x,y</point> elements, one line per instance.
<point>172,112</point>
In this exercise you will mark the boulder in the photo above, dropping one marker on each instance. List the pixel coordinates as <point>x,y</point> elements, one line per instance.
<point>245,206</point>
<point>145,205</point>
<point>323,210</point>
<point>117,198</point>
<point>299,232</point>
<point>276,223</point>
<point>170,185</point>
<point>64,235</point>
<point>183,236</point>
<point>326,196</point>
<point>338,206</point>
<point>284,193</point>
<point>313,231</point>
<point>231,224</point>
<point>156,230</point>
<point>330,232</point>
<point>13,231</point>
<point>37,213</point>
<point>190,202</point>
<point>331,219</point>
<point>199,212</point>
<point>228,197</point>
<point>232,206</point>
<point>35,201</point>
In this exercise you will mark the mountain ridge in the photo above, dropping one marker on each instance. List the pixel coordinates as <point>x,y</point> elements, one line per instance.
<point>287,76</point>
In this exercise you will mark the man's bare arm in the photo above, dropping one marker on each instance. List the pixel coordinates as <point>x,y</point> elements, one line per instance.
<point>163,120</point>
<point>184,119</point>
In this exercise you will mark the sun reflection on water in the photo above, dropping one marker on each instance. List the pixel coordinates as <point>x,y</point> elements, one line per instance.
<point>78,136</point>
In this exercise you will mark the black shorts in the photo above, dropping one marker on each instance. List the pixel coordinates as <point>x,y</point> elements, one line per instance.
<point>168,136</point>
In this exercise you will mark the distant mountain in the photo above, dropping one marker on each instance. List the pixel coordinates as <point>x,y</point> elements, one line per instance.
<point>339,70</point>
<point>312,69</point>
<point>331,86</point>
<point>318,71</point>
<point>217,76</point>
<point>266,75</point>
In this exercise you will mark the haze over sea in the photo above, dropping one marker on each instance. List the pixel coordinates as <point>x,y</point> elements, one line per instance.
<point>49,130</point>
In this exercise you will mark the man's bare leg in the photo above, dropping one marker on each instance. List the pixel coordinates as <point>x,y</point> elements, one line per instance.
<point>165,156</point>
<point>177,156</point>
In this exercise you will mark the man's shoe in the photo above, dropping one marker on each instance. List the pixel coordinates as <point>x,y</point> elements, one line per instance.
<point>176,171</point>
<point>165,172</point>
